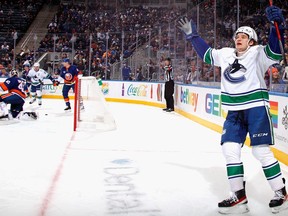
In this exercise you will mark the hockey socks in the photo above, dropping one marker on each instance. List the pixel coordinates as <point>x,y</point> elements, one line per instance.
<point>273,175</point>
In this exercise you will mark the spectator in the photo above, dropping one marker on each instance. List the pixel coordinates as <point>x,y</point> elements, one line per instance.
<point>5,46</point>
<point>126,72</point>
<point>3,72</point>
<point>277,84</point>
<point>139,75</point>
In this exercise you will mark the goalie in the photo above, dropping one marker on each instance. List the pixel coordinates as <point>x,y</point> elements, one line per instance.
<point>244,93</point>
<point>15,96</point>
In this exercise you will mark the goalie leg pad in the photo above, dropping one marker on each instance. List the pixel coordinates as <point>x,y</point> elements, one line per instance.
<point>28,116</point>
<point>3,109</point>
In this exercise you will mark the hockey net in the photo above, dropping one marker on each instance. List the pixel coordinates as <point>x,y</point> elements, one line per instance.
<point>91,111</point>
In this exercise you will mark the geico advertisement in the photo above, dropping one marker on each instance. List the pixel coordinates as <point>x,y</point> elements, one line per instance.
<point>202,102</point>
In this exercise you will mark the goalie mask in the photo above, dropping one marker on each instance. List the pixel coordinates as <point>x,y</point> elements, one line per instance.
<point>13,73</point>
<point>248,31</point>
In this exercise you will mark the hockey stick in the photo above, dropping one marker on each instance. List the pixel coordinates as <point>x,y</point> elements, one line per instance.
<point>279,38</point>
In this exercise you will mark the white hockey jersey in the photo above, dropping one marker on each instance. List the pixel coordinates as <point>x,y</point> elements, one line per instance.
<point>37,77</point>
<point>242,78</point>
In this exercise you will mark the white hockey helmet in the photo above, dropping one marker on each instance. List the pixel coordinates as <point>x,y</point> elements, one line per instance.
<point>247,30</point>
<point>26,64</point>
<point>36,64</point>
<point>13,73</point>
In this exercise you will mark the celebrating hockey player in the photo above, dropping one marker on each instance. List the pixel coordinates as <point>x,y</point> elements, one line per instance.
<point>37,75</point>
<point>15,96</point>
<point>244,93</point>
<point>69,74</point>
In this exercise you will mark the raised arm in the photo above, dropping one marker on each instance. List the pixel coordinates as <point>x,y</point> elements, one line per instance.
<point>274,14</point>
<point>190,31</point>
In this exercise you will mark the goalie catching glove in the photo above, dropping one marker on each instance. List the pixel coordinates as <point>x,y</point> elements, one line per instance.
<point>188,27</point>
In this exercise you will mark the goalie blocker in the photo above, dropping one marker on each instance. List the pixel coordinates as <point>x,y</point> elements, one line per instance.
<point>96,116</point>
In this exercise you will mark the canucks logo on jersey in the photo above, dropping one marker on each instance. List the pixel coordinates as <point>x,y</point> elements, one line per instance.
<point>229,72</point>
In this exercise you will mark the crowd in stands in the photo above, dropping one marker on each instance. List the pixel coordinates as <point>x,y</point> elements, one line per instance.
<point>89,25</point>
<point>15,19</point>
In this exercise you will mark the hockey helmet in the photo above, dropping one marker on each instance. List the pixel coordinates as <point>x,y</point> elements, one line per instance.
<point>26,64</point>
<point>248,31</point>
<point>66,60</point>
<point>36,64</point>
<point>13,73</point>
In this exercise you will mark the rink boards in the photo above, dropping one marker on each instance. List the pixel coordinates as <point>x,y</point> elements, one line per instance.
<point>200,104</point>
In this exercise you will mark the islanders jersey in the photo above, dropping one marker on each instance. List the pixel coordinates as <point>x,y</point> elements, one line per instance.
<point>14,85</point>
<point>242,78</point>
<point>69,74</point>
<point>37,77</point>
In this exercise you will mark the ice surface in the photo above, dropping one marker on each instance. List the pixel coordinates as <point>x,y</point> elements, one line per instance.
<point>154,164</point>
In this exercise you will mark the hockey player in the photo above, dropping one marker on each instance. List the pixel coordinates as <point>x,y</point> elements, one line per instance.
<point>169,85</point>
<point>69,74</point>
<point>244,93</point>
<point>37,75</point>
<point>15,96</point>
<point>26,67</point>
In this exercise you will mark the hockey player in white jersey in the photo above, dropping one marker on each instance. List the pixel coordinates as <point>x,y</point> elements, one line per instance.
<point>36,76</point>
<point>245,95</point>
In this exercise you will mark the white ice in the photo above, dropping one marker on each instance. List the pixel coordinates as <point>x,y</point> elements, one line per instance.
<point>154,164</point>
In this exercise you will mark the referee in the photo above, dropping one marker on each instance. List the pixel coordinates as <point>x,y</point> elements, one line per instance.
<point>169,85</point>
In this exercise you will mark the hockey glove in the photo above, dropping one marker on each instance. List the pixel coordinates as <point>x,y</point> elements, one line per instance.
<point>274,14</point>
<point>55,83</point>
<point>188,27</point>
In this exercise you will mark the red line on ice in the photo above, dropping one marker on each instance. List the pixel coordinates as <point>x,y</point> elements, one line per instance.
<point>49,195</point>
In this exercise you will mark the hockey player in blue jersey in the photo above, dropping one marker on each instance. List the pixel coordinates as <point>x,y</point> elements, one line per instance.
<point>69,74</point>
<point>15,96</point>
<point>245,95</point>
<point>26,68</point>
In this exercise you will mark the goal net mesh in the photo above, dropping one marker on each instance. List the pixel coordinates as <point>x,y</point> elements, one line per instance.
<point>91,109</point>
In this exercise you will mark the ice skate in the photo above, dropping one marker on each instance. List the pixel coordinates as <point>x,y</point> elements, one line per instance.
<point>235,204</point>
<point>40,103</point>
<point>32,101</point>
<point>280,200</point>
<point>67,109</point>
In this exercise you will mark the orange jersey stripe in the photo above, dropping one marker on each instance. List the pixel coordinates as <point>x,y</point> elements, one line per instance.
<point>20,93</point>
<point>3,86</point>
<point>6,95</point>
